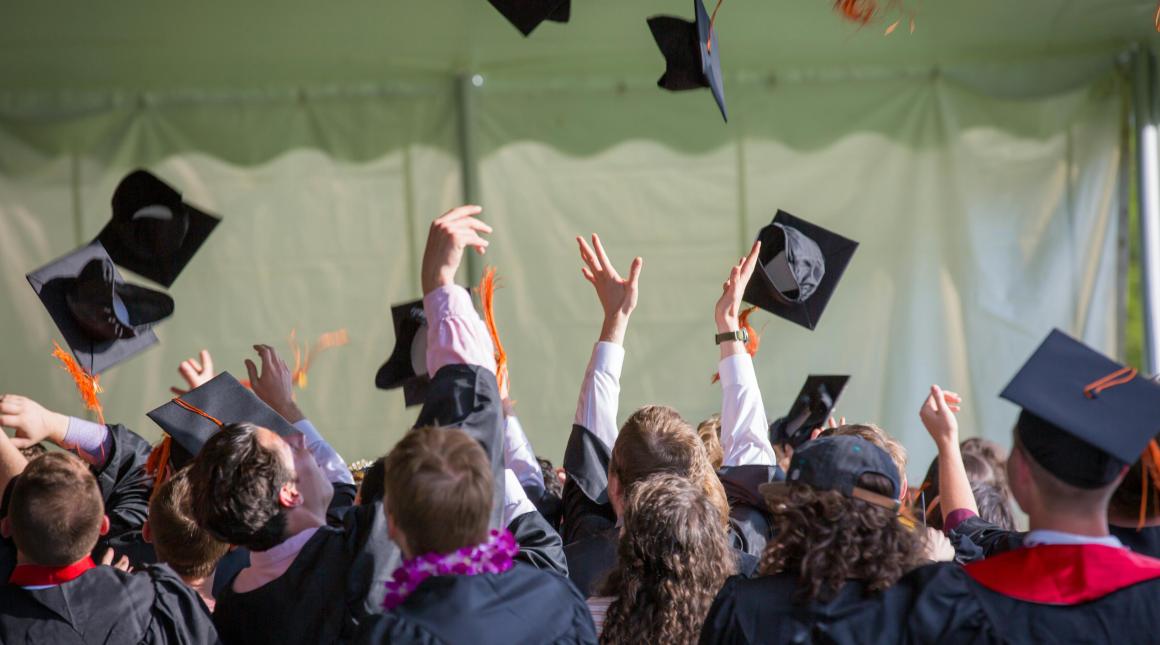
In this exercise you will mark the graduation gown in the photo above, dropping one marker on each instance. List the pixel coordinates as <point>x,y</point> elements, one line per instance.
<point>105,605</point>
<point>1041,594</point>
<point>762,610</point>
<point>1146,541</point>
<point>521,605</point>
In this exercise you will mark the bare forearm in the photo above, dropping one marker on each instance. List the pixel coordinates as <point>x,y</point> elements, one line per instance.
<point>12,462</point>
<point>954,486</point>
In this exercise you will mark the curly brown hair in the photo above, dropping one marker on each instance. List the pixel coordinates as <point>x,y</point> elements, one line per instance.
<point>827,538</point>
<point>672,559</point>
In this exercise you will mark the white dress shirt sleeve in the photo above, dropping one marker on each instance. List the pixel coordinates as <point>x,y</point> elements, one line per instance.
<point>519,457</point>
<point>326,457</point>
<point>744,429</point>
<point>600,393</point>
<point>515,500</point>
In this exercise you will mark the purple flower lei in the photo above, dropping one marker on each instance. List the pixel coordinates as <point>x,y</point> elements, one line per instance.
<point>494,555</point>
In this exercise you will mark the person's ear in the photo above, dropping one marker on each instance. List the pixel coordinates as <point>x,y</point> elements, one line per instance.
<point>289,496</point>
<point>104,525</point>
<point>146,533</point>
<point>6,528</point>
<point>615,495</point>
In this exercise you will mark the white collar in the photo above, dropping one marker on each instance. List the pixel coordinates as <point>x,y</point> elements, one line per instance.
<point>1044,537</point>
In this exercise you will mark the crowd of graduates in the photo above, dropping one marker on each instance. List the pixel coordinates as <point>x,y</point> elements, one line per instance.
<point>244,526</point>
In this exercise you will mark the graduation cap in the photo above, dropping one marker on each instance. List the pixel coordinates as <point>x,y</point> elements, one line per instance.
<point>407,365</point>
<point>192,418</point>
<point>103,319</point>
<point>800,266</point>
<point>837,463</point>
<point>526,15</point>
<point>692,53</point>
<point>153,232</point>
<point>814,404</point>
<point>1085,416</point>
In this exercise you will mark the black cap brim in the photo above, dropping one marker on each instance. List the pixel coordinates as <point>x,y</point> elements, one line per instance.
<point>162,270</point>
<point>222,398</point>
<point>820,392</point>
<point>526,15</point>
<point>692,54</point>
<point>399,371</point>
<point>836,250</point>
<point>51,283</point>
<point>1119,420</point>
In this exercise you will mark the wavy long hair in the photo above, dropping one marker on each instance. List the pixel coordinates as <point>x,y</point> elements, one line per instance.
<point>672,558</point>
<point>826,538</point>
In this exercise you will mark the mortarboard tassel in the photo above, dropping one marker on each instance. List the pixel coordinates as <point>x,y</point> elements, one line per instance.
<point>487,287</point>
<point>754,342</point>
<point>87,384</point>
<point>336,338</point>
<point>156,464</point>
<point>1150,467</point>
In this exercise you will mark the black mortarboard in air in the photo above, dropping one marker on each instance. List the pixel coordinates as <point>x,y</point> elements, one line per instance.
<point>837,463</point>
<point>799,268</point>
<point>103,319</point>
<point>692,54</point>
<point>526,15</point>
<point>407,365</point>
<point>153,232</point>
<point>1085,416</point>
<point>814,404</point>
<point>192,418</point>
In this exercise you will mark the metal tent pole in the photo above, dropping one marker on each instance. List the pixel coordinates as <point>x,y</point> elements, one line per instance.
<point>1148,186</point>
<point>466,87</point>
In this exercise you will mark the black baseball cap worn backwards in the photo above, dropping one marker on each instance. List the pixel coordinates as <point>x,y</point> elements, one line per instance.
<point>836,463</point>
<point>1085,417</point>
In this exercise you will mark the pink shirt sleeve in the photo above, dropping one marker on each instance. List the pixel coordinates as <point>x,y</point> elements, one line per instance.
<point>455,332</point>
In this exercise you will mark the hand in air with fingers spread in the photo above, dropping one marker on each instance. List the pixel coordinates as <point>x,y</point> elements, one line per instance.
<point>617,295</point>
<point>275,384</point>
<point>195,372</point>
<point>32,422</point>
<point>938,416</point>
<point>728,309</point>
<point>450,234</point>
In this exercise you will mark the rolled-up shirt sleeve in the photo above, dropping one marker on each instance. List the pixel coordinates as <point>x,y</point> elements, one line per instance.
<point>600,392</point>
<point>89,441</point>
<point>455,332</point>
<point>324,455</point>
<point>519,456</point>
<point>744,428</point>
<point>515,500</point>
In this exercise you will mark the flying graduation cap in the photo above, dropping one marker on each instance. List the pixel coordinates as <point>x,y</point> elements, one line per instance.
<point>692,53</point>
<point>153,233</point>
<point>814,404</point>
<point>103,319</point>
<point>526,15</point>
<point>799,267</point>
<point>407,365</point>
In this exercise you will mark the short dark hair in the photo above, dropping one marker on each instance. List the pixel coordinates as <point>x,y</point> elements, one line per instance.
<point>187,548</point>
<point>371,489</point>
<point>56,510</point>
<point>235,482</point>
<point>552,484</point>
<point>439,490</point>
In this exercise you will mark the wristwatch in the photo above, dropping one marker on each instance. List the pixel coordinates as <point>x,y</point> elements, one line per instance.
<point>740,336</point>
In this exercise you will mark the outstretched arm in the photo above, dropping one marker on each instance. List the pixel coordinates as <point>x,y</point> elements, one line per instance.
<point>744,428</point>
<point>938,417</point>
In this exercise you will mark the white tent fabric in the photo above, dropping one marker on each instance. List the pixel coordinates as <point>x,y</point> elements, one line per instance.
<point>984,221</point>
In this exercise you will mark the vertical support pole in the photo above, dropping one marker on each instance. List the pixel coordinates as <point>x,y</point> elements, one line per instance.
<point>1148,182</point>
<point>467,85</point>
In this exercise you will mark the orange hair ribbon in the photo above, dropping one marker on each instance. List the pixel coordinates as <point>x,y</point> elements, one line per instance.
<point>487,287</point>
<point>754,342</point>
<point>88,384</point>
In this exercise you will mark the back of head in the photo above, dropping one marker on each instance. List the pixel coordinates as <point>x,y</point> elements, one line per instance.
<point>994,505</point>
<point>825,538</point>
<point>710,433</point>
<point>672,559</point>
<point>371,488</point>
<point>552,483</point>
<point>439,490</point>
<point>874,435</point>
<point>655,439</point>
<point>179,542</point>
<point>56,510</point>
<point>234,485</point>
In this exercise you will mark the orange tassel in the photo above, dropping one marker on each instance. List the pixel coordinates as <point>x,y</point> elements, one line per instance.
<point>859,11</point>
<point>336,338</point>
<point>157,465</point>
<point>88,385</point>
<point>754,342</point>
<point>1150,465</point>
<point>487,287</point>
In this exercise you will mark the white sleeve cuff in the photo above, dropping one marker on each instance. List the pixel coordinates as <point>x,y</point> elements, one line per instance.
<point>325,456</point>
<point>607,357</point>
<point>736,369</point>
<point>515,500</point>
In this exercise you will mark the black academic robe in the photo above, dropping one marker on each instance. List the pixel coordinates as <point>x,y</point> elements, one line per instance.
<point>106,605</point>
<point>1145,541</point>
<point>521,605</point>
<point>976,538</point>
<point>125,489</point>
<point>763,610</point>
<point>1040,594</point>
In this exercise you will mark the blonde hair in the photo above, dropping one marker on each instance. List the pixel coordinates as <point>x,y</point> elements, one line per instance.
<point>710,433</point>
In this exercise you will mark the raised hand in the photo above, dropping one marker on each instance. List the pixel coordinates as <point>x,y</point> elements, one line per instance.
<point>449,235</point>
<point>275,384</point>
<point>31,421</point>
<point>728,308</point>
<point>617,295</point>
<point>938,416</point>
<point>195,372</point>
<point>107,559</point>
